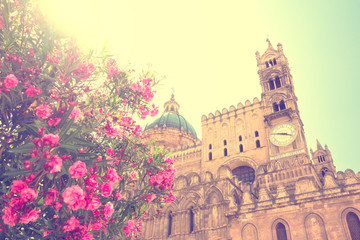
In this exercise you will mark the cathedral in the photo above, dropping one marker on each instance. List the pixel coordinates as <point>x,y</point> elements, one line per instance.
<point>251,175</point>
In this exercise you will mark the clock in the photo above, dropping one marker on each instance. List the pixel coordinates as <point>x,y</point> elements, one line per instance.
<point>283,134</point>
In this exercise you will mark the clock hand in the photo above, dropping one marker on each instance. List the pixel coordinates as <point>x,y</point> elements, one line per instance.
<point>281,134</point>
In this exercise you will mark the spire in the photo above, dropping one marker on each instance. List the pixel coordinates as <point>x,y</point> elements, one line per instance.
<point>171,105</point>
<point>270,46</point>
<point>318,145</point>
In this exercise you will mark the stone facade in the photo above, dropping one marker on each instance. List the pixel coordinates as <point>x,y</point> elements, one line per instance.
<point>252,176</point>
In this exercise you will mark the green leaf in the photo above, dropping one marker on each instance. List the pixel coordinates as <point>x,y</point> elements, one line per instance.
<point>17,172</point>
<point>26,148</point>
<point>65,128</point>
<point>69,137</point>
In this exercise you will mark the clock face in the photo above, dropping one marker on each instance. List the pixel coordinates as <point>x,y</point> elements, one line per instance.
<point>283,134</point>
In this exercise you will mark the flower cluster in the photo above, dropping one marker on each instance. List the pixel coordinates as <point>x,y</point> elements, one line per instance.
<point>72,156</point>
<point>18,209</point>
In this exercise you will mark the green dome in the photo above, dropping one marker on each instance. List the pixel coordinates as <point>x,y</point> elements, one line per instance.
<point>172,120</point>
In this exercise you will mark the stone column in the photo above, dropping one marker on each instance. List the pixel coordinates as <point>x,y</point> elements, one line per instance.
<point>163,228</point>
<point>196,219</point>
<point>146,228</point>
<point>151,227</point>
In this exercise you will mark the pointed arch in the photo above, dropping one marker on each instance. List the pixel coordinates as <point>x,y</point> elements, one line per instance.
<point>191,199</point>
<point>277,82</point>
<point>282,105</point>
<point>213,195</point>
<point>280,230</point>
<point>350,218</point>
<point>271,84</point>
<point>315,227</point>
<point>275,107</point>
<point>249,232</point>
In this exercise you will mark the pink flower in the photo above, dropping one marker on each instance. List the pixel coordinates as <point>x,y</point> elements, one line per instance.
<point>138,131</point>
<point>154,111</point>
<point>11,81</point>
<point>170,198</point>
<point>28,194</point>
<point>43,111</point>
<point>55,164</point>
<point>78,170</point>
<point>108,210</point>
<point>110,131</point>
<point>91,183</point>
<point>51,139</point>
<point>17,186</point>
<point>130,228</point>
<point>169,161</point>
<point>118,196</point>
<point>74,197</point>
<point>1,22</point>
<point>94,203</point>
<point>150,159</point>
<point>54,121</point>
<point>97,225</point>
<point>150,198</point>
<point>16,203</point>
<point>112,68</point>
<point>87,236</point>
<point>133,176</point>
<point>58,205</point>
<point>112,175</point>
<point>84,70</point>
<point>30,216</point>
<point>106,189</point>
<point>50,197</point>
<point>71,224</point>
<point>9,216</point>
<point>76,114</point>
<point>32,91</point>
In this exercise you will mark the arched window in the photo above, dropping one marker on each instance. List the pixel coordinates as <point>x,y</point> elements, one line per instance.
<point>282,105</point>
<point>275,107</point>
<point>167,108</point>
<point>277,82</point>
<point>244,173</point>
<point>267,64</point>
<point>257,143</point>
<point>353,223</point>
<point>241,148</point>
<point>172,108</point>
<point>240,138</point>
<point>170,224</point>
<point>271,85</point>
<point>323,171</point>
<point>275,61</point>
<point>191,220</point>
<point>271,63</point>
<point>224,142</point>
<point>281,231</point>
<point>321,159</point>
<point>210,146</point>
<point>210,156</point>
<point>256,133</point>
<point>225,152</point>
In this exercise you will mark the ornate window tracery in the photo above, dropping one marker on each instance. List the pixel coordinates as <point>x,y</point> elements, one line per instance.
<point>244,174</point>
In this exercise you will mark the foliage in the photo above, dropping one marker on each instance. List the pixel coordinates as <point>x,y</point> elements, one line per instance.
<point>73,165</point>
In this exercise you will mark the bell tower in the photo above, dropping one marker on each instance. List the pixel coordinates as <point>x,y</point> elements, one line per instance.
<point>281,114</point>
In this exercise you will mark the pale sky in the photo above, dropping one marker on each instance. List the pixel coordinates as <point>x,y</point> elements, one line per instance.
<point>206,51</point>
